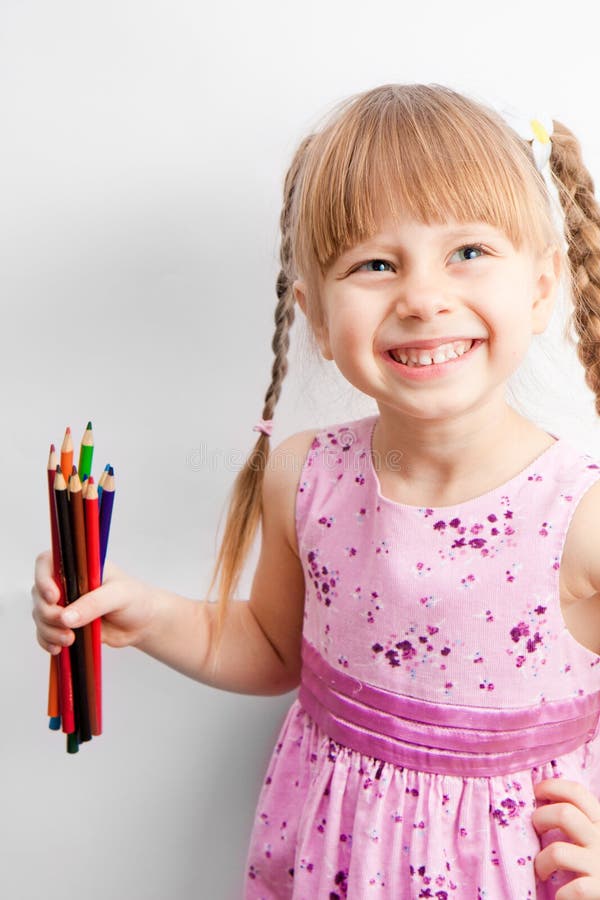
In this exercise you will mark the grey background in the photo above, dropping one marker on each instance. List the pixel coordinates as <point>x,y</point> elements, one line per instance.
<point>144,145</point>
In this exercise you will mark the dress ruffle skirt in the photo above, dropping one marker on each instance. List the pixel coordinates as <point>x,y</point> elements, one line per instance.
<point>439,797</point>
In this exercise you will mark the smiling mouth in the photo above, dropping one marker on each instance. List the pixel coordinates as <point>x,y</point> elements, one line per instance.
<point>436,356</point>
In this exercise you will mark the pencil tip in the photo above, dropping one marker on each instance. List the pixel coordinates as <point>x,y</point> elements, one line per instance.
<point>89,426</point>
<point>68,431</point>
<point>91,479</point>
<point>74,470</point>
<point>52,448</point>
<point>58,469</point>
<point>111,471</point>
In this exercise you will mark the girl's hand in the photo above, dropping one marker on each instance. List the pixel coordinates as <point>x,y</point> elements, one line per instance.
<point>125,605</point>
<point>575,811</point>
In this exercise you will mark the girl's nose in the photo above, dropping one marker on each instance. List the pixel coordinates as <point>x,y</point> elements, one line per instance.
<point>421,294</point>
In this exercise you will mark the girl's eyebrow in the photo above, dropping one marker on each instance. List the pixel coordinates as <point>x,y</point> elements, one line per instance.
<point>389,245</point>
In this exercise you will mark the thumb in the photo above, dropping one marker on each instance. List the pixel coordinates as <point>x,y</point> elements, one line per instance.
<point>89,606</point>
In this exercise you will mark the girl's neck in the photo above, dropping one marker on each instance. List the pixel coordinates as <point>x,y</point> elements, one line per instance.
<point>440,467</point>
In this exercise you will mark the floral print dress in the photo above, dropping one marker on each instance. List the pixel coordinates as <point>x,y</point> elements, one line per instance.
<point>439,684</point>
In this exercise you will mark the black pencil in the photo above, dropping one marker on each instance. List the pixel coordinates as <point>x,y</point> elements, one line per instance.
<point>77,651</point>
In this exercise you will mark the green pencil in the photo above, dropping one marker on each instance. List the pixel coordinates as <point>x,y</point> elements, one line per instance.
<point>86,453</point>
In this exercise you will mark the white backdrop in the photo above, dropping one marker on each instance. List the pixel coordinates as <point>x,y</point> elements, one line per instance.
<point>144,145</point>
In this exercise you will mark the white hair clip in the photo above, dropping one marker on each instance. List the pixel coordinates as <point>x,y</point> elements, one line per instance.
<point>538,132</point>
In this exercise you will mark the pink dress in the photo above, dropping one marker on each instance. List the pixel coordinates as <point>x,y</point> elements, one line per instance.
<point>439,684</point>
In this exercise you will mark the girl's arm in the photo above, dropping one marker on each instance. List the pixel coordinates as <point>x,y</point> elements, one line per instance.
<point>260,649</point>
<point>575,810</point>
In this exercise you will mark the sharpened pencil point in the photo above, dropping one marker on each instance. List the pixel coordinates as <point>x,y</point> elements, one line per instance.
<point>52,448</point>
<point>58,469</point>
<point>89,426</point>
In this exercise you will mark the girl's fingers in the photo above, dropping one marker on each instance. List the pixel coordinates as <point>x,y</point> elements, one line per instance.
<point>575,824</point>
<point>52,640</point>
<point>579,889</point>
<point>43,578</point>
<point>44,614</point>
<point>568,857</point>
<point>562,789</point>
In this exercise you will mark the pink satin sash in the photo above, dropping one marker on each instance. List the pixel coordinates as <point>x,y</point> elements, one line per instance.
<point>441,738</point>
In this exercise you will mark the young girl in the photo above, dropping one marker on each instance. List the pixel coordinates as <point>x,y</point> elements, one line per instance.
<point>429,575</point>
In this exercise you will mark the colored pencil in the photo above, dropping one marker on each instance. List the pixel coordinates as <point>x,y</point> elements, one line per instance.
<point>92,526</point>
<point>67,555</point>
<point>86,452</point>
<point>101,481</point>
<point>66,454</point>
<point>63,660</point>
<point>79,540</point>
<point>106,508</point>
<point>53,683</point>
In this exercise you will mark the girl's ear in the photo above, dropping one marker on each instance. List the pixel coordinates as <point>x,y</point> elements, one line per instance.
<point>546,286</point>
<point>321,333</point>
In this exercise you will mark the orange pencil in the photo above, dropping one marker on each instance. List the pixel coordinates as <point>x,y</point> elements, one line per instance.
<point>63,659</point>
<point>92,533</point>
<point>79,539</point>
<point>66,454</point>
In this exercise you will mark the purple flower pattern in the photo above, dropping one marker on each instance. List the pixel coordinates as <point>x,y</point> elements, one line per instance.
<point>453,606</point>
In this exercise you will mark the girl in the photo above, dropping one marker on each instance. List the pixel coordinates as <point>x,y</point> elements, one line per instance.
<point>429,575</point>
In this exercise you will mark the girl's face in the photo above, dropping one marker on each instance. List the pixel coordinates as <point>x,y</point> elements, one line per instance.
<point>413,282</point>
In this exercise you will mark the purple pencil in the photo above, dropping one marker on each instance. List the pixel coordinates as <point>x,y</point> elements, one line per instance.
<point>106,508</point>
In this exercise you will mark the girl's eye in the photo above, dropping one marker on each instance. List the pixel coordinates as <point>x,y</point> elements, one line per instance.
<point>377,264</point>
<point>470,251</point>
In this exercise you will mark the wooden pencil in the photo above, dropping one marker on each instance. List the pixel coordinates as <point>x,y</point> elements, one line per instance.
<point>106,508</point>
<point>66,454</point>
<point>86,452</point>
<point>79,540</point>
<point>67,555</point>
<point>101,481</point>
<point>92,533</point>
<point>63,659</point>
<point>53,682</point>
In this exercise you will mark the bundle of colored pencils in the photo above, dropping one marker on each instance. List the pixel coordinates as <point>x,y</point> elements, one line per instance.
<point>80,516</point>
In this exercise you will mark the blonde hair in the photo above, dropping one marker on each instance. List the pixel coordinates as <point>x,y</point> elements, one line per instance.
<point>432,153</point>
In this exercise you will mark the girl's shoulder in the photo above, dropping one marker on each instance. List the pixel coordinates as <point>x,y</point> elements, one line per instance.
<point>288,458</point>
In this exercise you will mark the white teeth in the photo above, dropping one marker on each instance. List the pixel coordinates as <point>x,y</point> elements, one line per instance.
<point>438,355</point>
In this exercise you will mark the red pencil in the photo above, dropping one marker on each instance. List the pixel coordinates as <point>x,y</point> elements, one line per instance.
<point>92,538</point>
<point>64,659</point>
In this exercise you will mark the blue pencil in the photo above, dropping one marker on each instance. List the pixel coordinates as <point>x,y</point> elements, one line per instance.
<point>106,508</point>
<point>101,483</point>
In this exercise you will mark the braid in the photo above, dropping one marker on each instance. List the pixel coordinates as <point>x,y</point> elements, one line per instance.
<point>284,317</point>
<point>245,506</point>
<point>582,228</point>
<point>285,309</point>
